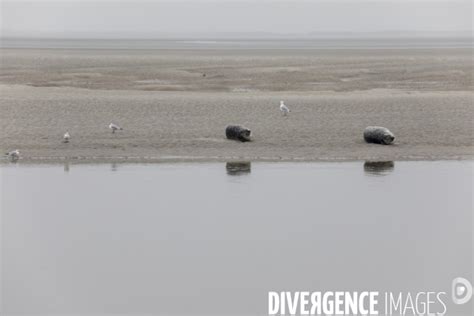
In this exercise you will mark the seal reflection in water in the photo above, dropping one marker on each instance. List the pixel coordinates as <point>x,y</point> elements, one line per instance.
<point>378,168</point>
<point>66,166</point>
<point>238,132</point>
<point>378,135</point>
<point>238,168</point>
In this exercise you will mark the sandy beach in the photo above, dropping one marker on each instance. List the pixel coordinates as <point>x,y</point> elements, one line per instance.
<point>174,104</point>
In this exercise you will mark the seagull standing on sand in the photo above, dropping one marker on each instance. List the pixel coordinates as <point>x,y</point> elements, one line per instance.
<point>114,127</point>
<point>13,155</point>
<point>284,109</point>
<point>66,137</point>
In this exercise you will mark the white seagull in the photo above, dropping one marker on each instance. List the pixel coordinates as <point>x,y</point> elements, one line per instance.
<point>66,137</point>
<point>13,155</point>
<point>114,127</point>
<point>284,109</point>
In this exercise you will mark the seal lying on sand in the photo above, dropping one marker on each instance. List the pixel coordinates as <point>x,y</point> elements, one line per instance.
<point>237,132</point>
<point>378,135</point>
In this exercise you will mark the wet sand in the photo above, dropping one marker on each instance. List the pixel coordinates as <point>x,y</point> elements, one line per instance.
<point>174,105</point>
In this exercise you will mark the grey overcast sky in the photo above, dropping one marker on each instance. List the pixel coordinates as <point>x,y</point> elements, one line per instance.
<point>147,18</point>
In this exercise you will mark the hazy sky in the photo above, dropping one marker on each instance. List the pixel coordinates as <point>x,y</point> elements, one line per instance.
<point>152,18</point>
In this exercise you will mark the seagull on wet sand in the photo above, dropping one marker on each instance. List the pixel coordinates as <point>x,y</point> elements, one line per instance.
<point>284,109</point>
<point>66,137</point>
<point>114,127</point>
<point>14,155</point>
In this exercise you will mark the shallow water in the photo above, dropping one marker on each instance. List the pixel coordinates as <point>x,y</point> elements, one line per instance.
<point>188,239</point>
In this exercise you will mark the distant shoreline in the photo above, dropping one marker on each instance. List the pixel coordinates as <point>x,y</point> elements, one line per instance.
<point>240,43</point>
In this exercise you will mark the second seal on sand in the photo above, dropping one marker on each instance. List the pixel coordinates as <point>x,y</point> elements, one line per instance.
<point>238,132</point>
<point>378,135</point>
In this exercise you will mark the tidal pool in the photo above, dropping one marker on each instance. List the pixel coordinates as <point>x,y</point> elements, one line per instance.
<point>214,239</point>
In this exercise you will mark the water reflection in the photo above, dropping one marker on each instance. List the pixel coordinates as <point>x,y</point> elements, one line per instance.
<point>238,168</point>
<point>379,168</point>
<point>66,166</point>
<point>113,166</point>
<point>154,230</point>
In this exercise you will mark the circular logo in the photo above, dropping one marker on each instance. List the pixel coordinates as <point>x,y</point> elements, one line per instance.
<point>462,291</point>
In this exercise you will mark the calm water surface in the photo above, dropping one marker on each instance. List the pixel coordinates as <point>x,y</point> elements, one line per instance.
<point>213,239</point>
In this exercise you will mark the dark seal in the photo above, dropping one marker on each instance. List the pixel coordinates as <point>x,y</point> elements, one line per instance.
<point>237,132</point>
<point>378,135</point>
